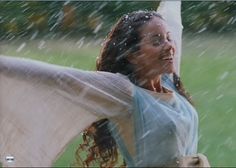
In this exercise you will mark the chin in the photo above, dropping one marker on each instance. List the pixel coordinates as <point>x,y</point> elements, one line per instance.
<point>169,71</point>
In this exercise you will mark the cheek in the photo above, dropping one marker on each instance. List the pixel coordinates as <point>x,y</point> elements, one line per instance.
<point>154,55</point>
<point>148,56</point>
<point>153,52</point>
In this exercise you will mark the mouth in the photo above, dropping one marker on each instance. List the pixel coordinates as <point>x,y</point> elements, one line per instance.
<point>168,58</point>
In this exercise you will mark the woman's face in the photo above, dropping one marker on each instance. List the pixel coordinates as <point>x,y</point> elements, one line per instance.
<point>157,49</point>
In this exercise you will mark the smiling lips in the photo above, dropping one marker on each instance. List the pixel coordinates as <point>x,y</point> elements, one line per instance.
<point>169,59</point>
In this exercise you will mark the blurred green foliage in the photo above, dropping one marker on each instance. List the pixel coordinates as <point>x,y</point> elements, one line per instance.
<point>52,19</point>
<point>218,16</point>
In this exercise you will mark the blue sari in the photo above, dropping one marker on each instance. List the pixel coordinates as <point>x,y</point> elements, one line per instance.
<point>163,131</point>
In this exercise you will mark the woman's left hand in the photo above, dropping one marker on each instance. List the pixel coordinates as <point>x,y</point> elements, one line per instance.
<point>198,160</point>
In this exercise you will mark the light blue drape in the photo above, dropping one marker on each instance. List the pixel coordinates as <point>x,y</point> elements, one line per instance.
<point>163,131</point>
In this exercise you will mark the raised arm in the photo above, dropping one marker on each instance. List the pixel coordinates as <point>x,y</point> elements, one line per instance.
<point>104,91</point>
<point>42,107</point>
<point>171,11</point>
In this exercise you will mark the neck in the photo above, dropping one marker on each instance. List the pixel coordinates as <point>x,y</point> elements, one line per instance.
<point>153,84</point>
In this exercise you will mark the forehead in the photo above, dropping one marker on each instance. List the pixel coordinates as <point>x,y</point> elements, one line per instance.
<point>155,26</point>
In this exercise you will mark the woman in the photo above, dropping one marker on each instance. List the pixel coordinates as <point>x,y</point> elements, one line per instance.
<point>150,115</point>
<point>141,47</point>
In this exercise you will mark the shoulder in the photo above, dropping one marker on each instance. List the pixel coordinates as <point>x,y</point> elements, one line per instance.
<point>115,81</point>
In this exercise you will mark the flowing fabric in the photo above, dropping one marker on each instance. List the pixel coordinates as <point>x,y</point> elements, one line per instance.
<point>43,107</point>
<point>164,131</point>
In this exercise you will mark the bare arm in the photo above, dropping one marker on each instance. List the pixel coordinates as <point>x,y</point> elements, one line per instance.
<point>171,11</point>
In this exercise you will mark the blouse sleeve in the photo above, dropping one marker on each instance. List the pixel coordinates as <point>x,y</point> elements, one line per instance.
<point>171,12</point>
<point>43,107</point>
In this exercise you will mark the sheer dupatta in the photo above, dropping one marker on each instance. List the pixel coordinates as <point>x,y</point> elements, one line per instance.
<point>43,107</point>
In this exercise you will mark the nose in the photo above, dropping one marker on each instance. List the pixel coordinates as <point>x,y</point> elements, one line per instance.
<point>169,46</point>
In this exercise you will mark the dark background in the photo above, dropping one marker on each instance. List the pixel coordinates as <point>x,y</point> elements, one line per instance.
<point>51,19</point>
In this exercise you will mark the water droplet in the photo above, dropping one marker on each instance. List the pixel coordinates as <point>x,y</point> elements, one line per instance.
<point>211,6</point>
<point>230,20</point>
<point>202,30</point>
<point>80,43</point>
<point>219,97</point>
<point>41,45</point>
<point>34,35</point>
<point>224,75</point>
<point>146,133</point>
<point>21,47</point>
<point>98,27</point>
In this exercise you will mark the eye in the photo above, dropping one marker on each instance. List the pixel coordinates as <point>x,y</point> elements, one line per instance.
<point>157,40</point>
<point>169,37</point>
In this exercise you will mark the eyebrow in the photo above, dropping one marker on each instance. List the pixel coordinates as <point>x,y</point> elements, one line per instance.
<point>159,34</point>
<point>153,36</point>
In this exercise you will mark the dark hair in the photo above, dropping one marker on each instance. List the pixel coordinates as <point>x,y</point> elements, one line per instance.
<point>123,40</point>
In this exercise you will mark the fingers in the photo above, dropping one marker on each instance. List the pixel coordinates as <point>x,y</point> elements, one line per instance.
<point>198,160</point>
